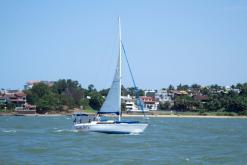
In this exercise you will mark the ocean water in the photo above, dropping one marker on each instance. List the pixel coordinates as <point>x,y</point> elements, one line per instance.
<point>52,140</point>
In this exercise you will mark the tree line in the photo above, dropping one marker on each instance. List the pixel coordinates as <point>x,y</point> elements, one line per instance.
<point>219,99</point>
<point>68,94</point>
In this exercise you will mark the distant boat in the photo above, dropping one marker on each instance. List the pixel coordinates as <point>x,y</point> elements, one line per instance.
<point>112,106</point>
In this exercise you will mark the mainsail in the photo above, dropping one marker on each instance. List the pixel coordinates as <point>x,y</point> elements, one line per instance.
<point>112,102</point>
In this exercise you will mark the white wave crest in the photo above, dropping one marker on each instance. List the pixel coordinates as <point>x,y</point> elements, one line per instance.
<point>9,131</point>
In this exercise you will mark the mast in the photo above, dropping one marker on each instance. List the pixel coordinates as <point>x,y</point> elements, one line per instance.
<point>120,66</point>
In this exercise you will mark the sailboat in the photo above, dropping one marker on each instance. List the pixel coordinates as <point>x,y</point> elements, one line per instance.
<point>112,106</point>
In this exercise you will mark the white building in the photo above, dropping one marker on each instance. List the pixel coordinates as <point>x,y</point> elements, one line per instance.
<point>163,96</point>
<point>150,103</point>
<point>130,104</point>
<point>30,83</point>
<point>150,93</point>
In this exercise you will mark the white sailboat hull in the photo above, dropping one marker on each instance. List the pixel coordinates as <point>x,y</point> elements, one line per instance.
<point>113,128</point>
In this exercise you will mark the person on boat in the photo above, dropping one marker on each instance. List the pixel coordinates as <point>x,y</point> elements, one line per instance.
<point>74,121</point>
<point>97,118</point>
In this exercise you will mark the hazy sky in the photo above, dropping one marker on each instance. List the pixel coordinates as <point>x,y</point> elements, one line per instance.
<point>167,42</point>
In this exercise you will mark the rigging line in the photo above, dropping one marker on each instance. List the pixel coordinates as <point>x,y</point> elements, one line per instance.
<point>132,77</point>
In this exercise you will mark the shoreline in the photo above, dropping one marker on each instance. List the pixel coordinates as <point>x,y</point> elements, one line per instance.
<point>131,115</point>
<point>186,116</point>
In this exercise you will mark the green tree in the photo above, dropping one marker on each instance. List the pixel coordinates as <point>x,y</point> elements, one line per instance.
<point>195,86</point>
<point>42,96</point>
<point>182,87</point>
<point>40,89</point>
<point>60,86</point>
<point>131,91</point>
<point>205,91</point>
<point>243,89</point>
<point>213,105</point>
<point>96,100</point>
<point>104,92</point>
<point>85,103</point>
<point>48,102</point>
<point>164,106</point>
<point>185,103</point>
<point>124,91</point>
<point>171,87</point>
<point>91,88</point>
<point>70,92</point>
<point>237,104</point>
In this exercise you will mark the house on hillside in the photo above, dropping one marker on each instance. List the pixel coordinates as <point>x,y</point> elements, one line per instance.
<point>130,104</point>
<point>150,93</point>
<point>175,93</point>
<point>16,99</point>
<point>3,101</point>
<point>163,96</point>
<point>201,98</point>
<point>29,84</point>
<point>150,103</point>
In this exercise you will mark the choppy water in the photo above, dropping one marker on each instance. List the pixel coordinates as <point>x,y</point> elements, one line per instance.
<point>52,140</point>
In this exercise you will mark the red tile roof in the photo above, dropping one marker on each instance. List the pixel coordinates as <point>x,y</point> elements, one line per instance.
<point>201,97</point>
<point>148,99</point>
<point>20,94</point>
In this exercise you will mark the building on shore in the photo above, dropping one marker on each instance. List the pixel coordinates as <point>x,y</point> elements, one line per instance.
<point>16,99</point>
<point>201,98</point>
<point>150,93</point>
<point>130,103</point>
<point>3,102</point>
<point>163,96</point>
<point>29,84</point>
<point>150,103</point>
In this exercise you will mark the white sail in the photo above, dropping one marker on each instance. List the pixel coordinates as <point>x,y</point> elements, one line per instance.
<point>112,102</point>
